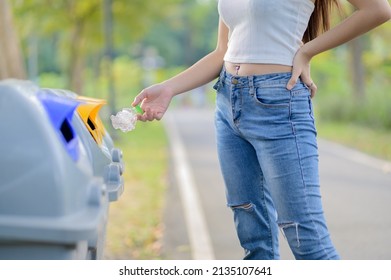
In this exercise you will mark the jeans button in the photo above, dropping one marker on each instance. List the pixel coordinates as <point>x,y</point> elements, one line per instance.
<point>235,81</point>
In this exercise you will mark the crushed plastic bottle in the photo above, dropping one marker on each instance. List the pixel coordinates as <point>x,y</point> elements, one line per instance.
<point>125,119</point>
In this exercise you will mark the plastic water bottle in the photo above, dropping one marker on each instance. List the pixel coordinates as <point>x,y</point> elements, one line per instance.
<point>125,119</point>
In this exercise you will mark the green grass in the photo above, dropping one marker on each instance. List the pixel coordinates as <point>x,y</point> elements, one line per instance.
<point>374,141</point>
<point>134,227</point>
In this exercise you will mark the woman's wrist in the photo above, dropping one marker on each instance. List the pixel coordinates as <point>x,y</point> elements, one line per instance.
<point>167,88</point>
<point>306,51</point>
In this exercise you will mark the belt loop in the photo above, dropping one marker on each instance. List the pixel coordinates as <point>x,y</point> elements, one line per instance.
<point>223,74</point>
<point>251,82</point>
<point>251,85</point>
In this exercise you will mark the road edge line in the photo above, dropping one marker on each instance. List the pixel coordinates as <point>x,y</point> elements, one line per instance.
<point>199,237</point>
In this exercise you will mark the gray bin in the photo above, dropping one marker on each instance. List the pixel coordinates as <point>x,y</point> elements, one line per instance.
<point>51,204</point>
<point>105,159</point>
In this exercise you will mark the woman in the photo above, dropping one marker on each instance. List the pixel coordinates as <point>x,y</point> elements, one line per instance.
<point>266,136</point>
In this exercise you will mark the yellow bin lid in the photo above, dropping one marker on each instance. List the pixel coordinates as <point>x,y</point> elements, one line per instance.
<point>89,112</point>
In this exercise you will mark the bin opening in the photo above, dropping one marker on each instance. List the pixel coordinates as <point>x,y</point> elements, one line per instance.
<point>67,131</point>
<point>91,124</point>
<point>60,111</point>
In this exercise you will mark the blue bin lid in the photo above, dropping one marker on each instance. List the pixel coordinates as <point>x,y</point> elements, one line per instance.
<point>60,111</point>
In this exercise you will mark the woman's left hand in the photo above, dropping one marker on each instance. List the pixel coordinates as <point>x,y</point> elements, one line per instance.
<point>301,69</point>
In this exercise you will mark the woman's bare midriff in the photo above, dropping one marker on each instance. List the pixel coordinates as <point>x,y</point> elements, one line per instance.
<point>250,69</point>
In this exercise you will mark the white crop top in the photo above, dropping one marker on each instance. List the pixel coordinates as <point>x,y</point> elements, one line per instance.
<point>264,31</point>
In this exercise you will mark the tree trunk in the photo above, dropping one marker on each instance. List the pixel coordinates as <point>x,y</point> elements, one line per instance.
<point>11,60</point>
<point>356,48</point>
<point>76,67</point>
<point>77,51</point>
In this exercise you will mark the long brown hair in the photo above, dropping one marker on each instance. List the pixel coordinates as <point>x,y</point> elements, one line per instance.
<point>320,19</point>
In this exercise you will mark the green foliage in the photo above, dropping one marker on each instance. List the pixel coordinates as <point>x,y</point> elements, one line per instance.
<point>73,30</point>
<point>52,80</point>
<point>335,100</point>
<point>187,34</point>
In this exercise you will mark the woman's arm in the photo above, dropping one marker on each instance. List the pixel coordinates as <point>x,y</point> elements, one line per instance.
<point>156,99</point>
<point>368,15</point>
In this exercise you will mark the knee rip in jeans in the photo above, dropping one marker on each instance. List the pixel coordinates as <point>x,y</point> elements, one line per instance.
<point>284,226</point>
<point>246,206</point>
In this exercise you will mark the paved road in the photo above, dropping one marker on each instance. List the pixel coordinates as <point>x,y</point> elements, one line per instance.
<point>356,193</point>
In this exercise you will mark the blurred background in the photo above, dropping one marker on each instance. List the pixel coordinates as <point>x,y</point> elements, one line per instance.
<point>111,49</point>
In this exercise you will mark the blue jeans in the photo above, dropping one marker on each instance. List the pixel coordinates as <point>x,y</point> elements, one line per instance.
<point>267,149</point>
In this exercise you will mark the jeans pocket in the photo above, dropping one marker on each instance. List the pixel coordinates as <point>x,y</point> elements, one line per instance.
<point>272,97</point>
<point>301,105</point>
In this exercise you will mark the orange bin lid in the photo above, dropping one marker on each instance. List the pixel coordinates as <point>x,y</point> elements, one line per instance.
<point>89,112</point>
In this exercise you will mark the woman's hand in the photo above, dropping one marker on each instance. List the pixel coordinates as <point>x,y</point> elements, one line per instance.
<point>154,102</point>
<point>301,68</point>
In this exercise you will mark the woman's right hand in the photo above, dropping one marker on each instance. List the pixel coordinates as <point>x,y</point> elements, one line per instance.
<point>154,101</point>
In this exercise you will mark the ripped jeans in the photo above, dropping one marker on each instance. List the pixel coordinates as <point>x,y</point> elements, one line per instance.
<point>267,149</point>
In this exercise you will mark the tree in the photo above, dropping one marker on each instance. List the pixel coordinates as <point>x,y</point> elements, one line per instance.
<point>78,28</point>
<point>11,60</point>
<point>357,68</point>
<point>187,34</point>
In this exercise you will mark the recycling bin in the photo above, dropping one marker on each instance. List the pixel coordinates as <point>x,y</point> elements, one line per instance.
<point>106,160</point>
<point>52,206</point>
